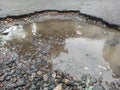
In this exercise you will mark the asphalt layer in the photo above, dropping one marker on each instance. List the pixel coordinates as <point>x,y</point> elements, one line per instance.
<point>108,10</point>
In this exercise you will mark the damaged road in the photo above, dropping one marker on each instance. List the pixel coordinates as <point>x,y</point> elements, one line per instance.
<point>51,45</point>
<point>37,54</point>
<point>107,10</point>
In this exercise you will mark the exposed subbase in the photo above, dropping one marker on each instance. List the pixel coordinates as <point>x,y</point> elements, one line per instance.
<point>58,53</point>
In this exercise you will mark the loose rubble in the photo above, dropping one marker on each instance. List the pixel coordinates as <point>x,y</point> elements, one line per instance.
<point>15,75</point>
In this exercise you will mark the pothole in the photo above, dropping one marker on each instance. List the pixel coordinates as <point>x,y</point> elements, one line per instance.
<point>35,47</point>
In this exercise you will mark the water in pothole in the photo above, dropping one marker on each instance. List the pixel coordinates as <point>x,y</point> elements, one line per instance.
<point>72,46</point>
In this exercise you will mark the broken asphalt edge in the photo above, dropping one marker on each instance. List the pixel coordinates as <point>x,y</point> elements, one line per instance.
<point>86,16</point>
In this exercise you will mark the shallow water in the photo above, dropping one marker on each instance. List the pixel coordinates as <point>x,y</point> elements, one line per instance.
<point>73,46</point>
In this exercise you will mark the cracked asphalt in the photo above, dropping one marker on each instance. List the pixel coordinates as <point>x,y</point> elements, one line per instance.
<point>108,10</point>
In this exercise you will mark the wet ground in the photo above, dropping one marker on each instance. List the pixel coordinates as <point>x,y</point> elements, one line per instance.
<point>72,46</point>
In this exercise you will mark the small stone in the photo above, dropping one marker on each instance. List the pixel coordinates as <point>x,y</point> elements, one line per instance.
<point>78,32</point>
<point>25,19</point>
<point>1,85</point>
<point>51,86</point>
<point>54,75</point>
<point>58,80</point>
<point>93,80</point>
<point>14,79</point>
<point>45,77</point>
<point>113,43</point>
<point>10,86</point>
<point>98,87</point>
<point>37,79</point>
<point>118,83</point>
<point>82,84</point>
<point>2,78</point>
<point>1,73</point>
<point>69,83</point>
<point>21,82</point>
<point>5,33</point>
<point>32,87</point>
<point>46,84</point>
<point>84,77</point>
<point>58,87</point>
<point>12,71</point>
<point>46,88</point>
<point>14,56</point>
<point>32,69</point>
<point>9,62</point>
<point>33,75</point>
<point>8,78</point>
<point>39,72</point>
<point>66,81</point>
<point>76,80</point>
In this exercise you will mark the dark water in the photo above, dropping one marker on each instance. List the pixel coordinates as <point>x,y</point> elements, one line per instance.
<point>74,47</point>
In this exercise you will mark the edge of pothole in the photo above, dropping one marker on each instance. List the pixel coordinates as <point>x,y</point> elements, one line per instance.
<point>89,18</point>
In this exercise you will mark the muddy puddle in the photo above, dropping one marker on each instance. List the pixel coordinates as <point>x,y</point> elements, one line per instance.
<point>72,46</point>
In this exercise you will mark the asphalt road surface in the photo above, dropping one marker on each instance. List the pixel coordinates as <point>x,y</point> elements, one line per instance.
<point>108,10</point>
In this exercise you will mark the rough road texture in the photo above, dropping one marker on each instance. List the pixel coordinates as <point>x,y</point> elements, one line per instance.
<point>108,10</point>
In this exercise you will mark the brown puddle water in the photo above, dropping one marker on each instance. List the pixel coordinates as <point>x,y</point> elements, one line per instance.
<point>73,46</point>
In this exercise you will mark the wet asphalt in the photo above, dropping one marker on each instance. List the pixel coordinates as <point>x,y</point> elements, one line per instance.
<point>108,10</point>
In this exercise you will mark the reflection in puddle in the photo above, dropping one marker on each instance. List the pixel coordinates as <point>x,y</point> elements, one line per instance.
<point>13,32</point>
<point>73,47</point>
<point>111,52</point>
